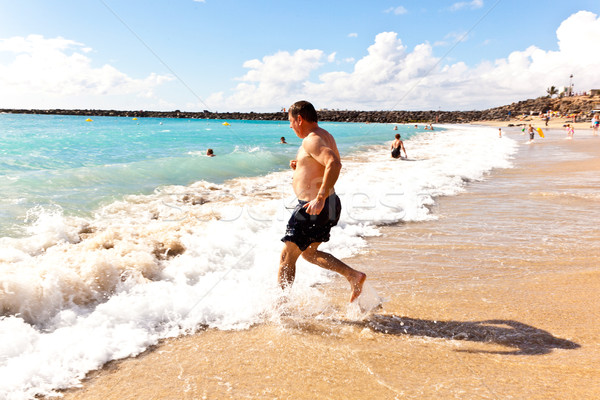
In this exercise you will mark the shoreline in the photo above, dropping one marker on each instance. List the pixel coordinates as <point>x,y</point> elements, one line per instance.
<point>519,327</point>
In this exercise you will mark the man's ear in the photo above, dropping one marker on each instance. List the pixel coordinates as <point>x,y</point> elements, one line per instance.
<point>300,119</point>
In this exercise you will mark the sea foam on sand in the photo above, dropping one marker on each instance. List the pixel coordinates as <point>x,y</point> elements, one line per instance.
<point>79,292</point>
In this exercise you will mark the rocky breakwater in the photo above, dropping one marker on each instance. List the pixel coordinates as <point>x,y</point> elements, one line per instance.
<point>564,105</point>
<point>150,114</point>
<point>324,115</point>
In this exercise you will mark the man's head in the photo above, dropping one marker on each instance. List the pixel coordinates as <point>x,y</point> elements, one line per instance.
<point>305,110</point>
<point>397,136</point>
<point>303,118</point>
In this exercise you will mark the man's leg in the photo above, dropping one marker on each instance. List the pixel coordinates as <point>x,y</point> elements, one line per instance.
<point>328,261</point>
<point>287,264</point>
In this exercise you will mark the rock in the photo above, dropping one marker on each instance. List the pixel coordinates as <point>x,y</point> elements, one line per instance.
<point>540,105</point>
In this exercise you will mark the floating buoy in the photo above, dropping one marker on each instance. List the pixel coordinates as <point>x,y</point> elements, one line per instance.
<point>135,119</point>
<point>226,123</point>
<point>88,120</point>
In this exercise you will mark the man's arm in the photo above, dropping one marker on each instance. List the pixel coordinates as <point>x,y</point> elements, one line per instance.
<point>327,157</point>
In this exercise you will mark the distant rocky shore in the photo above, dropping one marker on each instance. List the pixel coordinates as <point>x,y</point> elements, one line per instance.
<point>565,105</point>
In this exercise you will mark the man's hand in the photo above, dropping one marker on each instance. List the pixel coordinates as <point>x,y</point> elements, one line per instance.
<point>293,164</point>
<point>314,207</point>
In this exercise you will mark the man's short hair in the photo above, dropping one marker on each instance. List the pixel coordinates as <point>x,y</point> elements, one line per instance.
<point>304,109</point>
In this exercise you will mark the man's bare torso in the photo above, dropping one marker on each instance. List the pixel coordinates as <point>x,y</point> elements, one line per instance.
<point>308,175</point>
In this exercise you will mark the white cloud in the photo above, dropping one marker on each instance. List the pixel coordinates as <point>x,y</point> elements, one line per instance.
<point>397,10</point>
<point>270,80</point>
<point>331,57</point>
<point>452,38</point>
<point>353,34</point>
<point>475,4</point>
<point>457,37</point>
<point>52,70</point>
<point>391,76</point>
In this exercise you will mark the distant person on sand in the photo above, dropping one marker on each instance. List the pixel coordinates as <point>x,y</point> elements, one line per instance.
<point>499,132</point>
<point>210,153</point>
<point>396,146</point>
<point>316,169</point>
<point>282,140</point>
<point>596,124</point>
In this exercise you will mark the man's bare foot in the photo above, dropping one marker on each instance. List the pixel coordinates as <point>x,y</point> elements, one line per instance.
<point>357,281</point>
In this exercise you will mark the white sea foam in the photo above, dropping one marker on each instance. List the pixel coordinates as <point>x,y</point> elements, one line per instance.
<point>196,153</point>
<point>77,292</point>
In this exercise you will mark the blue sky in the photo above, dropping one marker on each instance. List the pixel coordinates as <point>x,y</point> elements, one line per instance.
<point>233,55</point>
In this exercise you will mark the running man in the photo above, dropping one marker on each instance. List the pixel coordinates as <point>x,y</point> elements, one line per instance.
<point>316,169</point>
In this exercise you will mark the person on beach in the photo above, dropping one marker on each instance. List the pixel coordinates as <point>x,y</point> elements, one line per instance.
<point>210,153</point>
<point>499,132</point>
<point>316,169</point>
<point>570,131</point>
<point>531,132</point>
<point>596,124</point>
<point>396,146</point>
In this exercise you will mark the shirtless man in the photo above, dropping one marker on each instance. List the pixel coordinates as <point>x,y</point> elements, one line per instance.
<point>316,169</point>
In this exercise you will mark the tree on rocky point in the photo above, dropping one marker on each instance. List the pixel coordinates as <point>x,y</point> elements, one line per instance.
<point>552,90</point>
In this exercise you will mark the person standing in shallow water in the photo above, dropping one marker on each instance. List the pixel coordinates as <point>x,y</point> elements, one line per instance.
<point>531,133</point>
<point>596,124</point>
<point>316,169</point>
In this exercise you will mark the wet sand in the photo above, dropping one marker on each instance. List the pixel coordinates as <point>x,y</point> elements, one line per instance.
<point>497,299</point>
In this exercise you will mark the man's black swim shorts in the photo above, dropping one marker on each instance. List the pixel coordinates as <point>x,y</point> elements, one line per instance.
<point>304,229</point>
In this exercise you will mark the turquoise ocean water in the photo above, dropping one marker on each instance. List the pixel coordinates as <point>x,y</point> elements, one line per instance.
<point>68,163</point>
<point>118,233</point>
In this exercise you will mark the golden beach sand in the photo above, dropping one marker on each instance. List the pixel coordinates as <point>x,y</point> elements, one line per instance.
<point>497,299</point>
<point>537,122</point>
